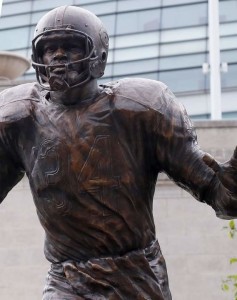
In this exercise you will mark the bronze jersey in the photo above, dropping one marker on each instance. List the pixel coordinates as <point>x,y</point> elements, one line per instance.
<point>93,166</point>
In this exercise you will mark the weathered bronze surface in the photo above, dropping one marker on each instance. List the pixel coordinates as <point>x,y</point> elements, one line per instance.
<point>92,155</point>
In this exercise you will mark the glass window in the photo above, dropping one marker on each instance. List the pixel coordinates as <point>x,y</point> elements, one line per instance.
<point>183,47</point>
<point>14,38</point>
<point>108,70</point>
<point>36,16</point>
<point>184,80</point>
<point>80,2</point>
<point>134,4</point>
<point>136,53</point>
<point>152,75</point>
<point>200,116</point>
<point>102,8</point>
<point>31,34</point>
<point>109,23</point>
<point>138,21</point>
<point>47,5</point>
<point>29,52</point>
<point>189,15</point>
<point>26,52</point>
<point>185,61</point>
<point>228,10</point>
<point>111,43</point>
<point>176,2</point>
<point>104,79</point>
<point>229,56</point>
<point>229,79</point>
<point>229,42</point>
<point>16,8</point>
<point>137,39</point>
<point>228,28</point>
<point>110,56</point>
<point>14,21</point>
<point>182,34</point>
<point>229,115</point>
<point>8,1</point>
<point>20,52</point>
<point>132,67</point>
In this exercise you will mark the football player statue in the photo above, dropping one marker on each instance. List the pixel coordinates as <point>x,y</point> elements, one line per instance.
<point>92,155</point>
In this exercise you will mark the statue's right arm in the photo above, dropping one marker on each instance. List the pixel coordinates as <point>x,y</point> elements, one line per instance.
<point>10,170</point>
<point>15,108</point>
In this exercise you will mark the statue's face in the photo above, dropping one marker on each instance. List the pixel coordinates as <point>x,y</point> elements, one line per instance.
<point>59,50</point>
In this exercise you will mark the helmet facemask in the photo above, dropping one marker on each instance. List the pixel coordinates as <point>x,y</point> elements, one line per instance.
<point>44,71</point>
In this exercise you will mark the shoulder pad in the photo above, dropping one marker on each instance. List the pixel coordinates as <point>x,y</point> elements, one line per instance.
<point>15,102</point>
<point>149,93</point>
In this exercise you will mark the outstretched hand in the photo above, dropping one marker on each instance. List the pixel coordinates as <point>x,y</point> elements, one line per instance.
<point>226,172</point>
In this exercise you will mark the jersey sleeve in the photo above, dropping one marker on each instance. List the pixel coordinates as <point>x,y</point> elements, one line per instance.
<point>178,152</point>
<point>10,170</point>
<point>15,106</point>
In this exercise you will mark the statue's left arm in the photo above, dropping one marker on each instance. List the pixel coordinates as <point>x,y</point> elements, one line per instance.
<point>182,159</point>
<point>224,185</point>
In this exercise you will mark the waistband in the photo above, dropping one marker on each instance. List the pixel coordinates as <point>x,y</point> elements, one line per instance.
<point>138,274</point>
<point>150,252</point>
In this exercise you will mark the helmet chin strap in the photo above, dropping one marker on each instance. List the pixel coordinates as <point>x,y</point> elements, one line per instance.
<point>58,84</point>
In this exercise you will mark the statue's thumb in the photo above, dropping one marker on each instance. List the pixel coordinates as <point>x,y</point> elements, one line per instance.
<point>211,162</point>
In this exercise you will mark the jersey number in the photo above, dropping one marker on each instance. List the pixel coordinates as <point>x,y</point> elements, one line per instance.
<point>97,174</point>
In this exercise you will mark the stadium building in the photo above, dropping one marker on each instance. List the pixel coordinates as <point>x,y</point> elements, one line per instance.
<point>165,40</point>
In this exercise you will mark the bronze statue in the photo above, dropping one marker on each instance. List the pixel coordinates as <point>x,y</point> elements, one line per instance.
<point>92,155</point>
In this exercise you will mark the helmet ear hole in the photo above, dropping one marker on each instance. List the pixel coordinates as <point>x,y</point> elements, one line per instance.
<point>104,56</point>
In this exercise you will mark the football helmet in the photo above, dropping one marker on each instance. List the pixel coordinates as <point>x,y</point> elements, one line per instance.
<point>84,26</point>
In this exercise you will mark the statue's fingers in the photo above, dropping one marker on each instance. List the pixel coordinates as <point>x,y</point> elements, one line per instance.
<point>235,153</point>
<point>211,162</point>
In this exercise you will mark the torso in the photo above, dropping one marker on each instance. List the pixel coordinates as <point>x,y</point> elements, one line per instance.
<point>91,175</point>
